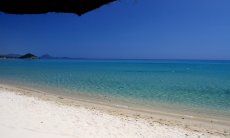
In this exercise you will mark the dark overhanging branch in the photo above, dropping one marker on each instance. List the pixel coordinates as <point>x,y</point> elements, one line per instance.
<point>78,7</point>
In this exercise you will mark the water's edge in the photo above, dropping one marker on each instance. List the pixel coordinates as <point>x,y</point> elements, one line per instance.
<point>194,123</point>
<point>159,109</point>
<point>191,88</point>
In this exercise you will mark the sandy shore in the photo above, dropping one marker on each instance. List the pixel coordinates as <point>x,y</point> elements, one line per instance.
<point>24,113</point>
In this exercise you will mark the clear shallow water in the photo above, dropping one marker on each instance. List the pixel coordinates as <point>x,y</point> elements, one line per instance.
<point>193,84</point>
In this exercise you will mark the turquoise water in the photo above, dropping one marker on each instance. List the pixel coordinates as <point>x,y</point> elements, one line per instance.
<point>193,84</point>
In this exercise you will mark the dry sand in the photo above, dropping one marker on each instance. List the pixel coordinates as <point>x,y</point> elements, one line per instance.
<point>30,116</point>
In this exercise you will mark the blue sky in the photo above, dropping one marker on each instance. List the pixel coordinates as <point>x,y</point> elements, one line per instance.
<point>153,29</point>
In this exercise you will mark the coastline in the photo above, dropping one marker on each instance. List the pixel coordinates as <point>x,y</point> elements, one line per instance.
<point>194,125</point>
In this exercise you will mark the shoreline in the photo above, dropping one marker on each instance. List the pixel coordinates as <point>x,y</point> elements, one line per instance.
<point>133,104</point>
<point>191,123</point>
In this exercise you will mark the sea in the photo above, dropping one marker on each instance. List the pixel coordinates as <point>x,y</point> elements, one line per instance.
<point>197,86</point>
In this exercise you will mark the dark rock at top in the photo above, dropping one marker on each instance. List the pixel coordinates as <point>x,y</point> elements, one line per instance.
<point>43,6</point>
<point>28,56</point>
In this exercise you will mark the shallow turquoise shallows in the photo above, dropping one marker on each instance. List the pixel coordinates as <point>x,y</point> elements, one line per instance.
<point>193,84</point>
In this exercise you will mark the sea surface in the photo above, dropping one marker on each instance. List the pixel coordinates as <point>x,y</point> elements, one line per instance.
<point>188,84</point>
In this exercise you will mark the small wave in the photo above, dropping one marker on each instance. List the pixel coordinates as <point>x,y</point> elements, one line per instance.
<point>122,106</point>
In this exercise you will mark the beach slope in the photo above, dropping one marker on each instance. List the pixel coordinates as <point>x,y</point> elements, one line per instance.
<point>29,116</point>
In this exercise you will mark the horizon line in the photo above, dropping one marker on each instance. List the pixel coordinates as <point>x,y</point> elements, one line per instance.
<point>91,58</point>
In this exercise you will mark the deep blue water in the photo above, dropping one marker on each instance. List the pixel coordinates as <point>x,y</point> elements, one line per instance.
<point>198,84</point>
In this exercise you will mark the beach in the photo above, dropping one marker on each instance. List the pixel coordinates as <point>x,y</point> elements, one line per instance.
<point>26,113</point>
<point>129,69</point>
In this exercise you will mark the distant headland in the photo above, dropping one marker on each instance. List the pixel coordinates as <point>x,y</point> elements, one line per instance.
<point>18,56</point>
<point>30,56</point>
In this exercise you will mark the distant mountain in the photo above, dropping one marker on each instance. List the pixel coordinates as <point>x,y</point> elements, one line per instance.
<point>28,56</point>
<point>31,56</point>
<point>47,56</point>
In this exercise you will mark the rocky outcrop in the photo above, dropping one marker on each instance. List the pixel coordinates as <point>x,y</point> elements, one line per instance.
<point>28,56</point>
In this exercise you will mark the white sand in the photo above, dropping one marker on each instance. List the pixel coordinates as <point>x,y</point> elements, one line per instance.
<point>29,117</point>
